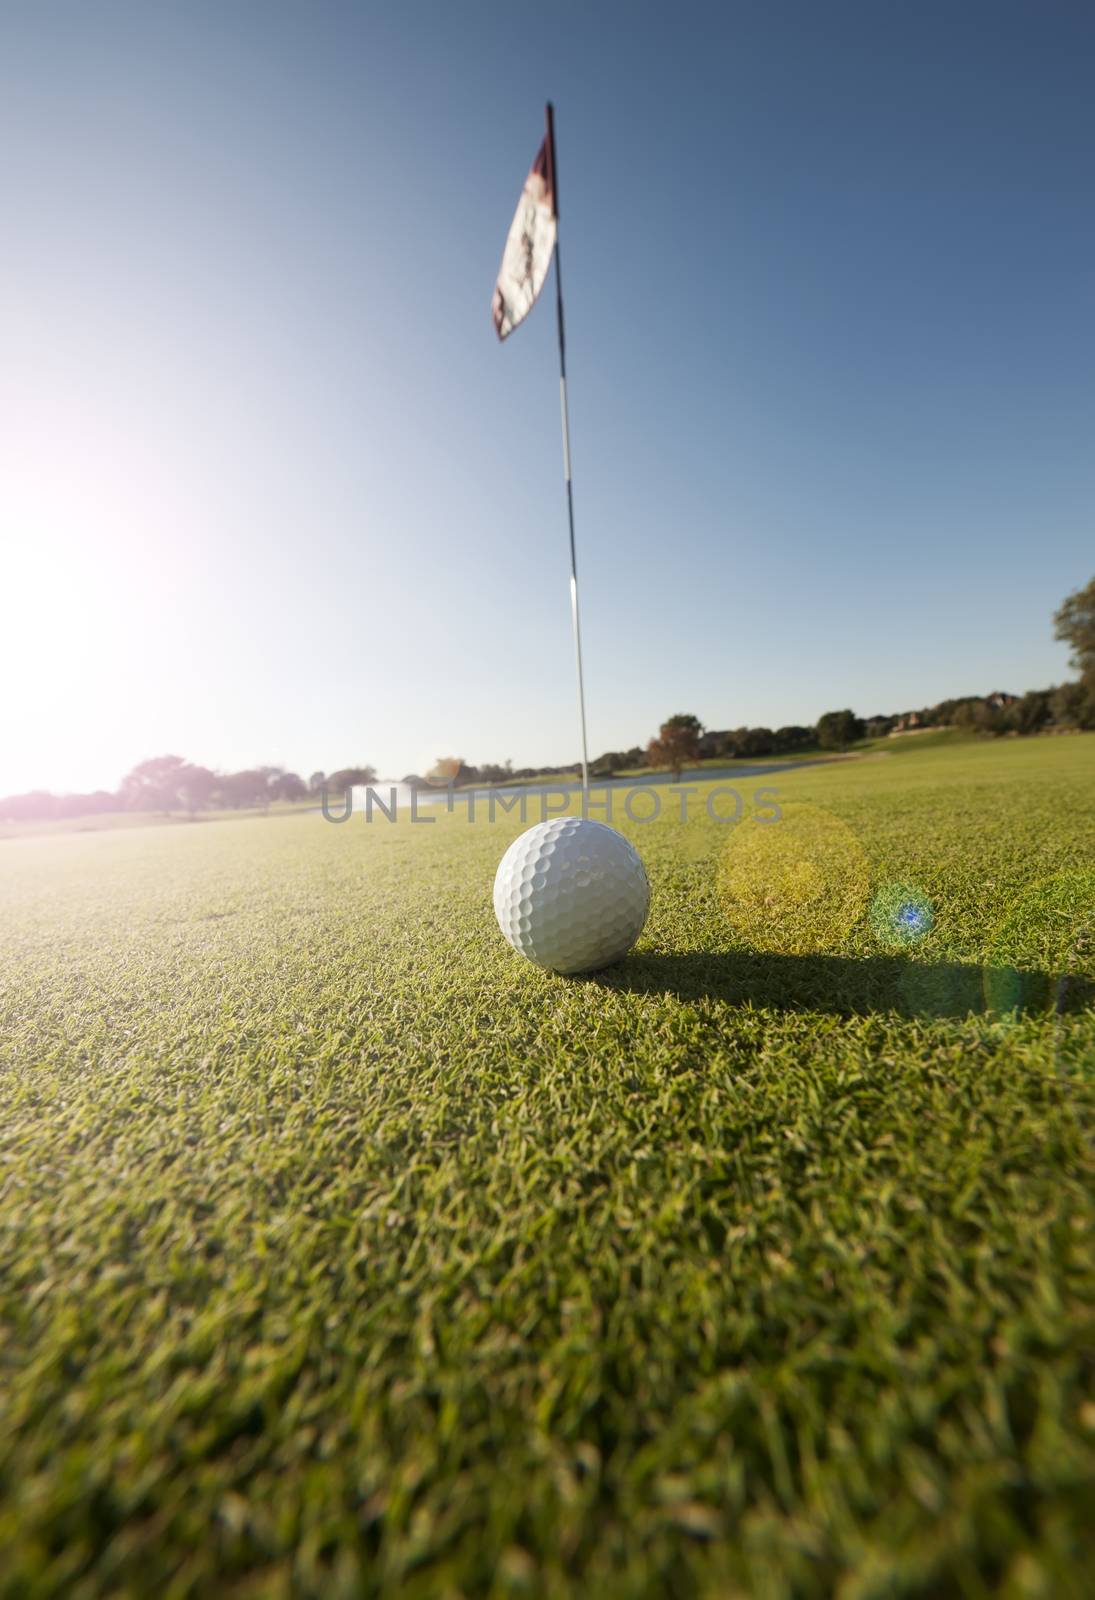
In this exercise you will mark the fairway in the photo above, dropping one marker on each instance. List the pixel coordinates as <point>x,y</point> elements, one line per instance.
<point>343,1252</point>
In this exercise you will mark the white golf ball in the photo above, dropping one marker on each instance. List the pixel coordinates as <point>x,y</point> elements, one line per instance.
<point>571,894</point>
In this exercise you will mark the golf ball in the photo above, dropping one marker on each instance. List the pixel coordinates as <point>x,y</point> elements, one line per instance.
<point>571,894</point>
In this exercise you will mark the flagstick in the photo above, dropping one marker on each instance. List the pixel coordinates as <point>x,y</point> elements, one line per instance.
<point>566,455</point>
<point>570,519</point>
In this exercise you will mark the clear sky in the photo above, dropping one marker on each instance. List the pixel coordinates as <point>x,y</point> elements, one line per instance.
<point>270,491</point>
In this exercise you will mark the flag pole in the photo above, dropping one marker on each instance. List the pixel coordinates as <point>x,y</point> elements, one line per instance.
<point>554,178</point>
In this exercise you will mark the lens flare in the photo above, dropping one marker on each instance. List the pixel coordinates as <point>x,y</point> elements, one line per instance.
<point>796,886</point>
<point>901,915</point>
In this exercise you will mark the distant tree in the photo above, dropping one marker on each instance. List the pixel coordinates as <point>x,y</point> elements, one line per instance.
<point>1030,713</point>
<point>153,785</point>
<point>677,743</point>
<point>943,715</point>
<point>316,782</point>
<point>608,764</point>
<point>1074,622</point>
<point>347,777</point>
<point>757,742</point>
<point>879,726</point>
<point>35,806</point>
<point>794,738</point>
<point>289,786</point>
<point>964,712</point>
<point>1073,704</point>
<point>196,787</point>
<point>84,805</point>
<point>836,730</point>
<point>242,789</point>
<point>978,714</point>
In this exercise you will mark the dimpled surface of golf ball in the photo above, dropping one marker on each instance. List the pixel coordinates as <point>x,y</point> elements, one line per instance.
<point>571,894</point>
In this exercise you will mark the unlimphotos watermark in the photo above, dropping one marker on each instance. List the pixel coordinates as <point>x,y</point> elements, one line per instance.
<point>640,803</point>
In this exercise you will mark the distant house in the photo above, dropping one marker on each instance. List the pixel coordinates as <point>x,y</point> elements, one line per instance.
<point>714,742</point>
<point>999,701</point>
<point>908,723</point>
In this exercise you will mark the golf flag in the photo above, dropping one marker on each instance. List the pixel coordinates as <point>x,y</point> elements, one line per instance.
<point>531,240</point>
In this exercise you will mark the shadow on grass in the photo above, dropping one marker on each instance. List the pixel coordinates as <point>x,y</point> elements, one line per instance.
<point>847,986</point>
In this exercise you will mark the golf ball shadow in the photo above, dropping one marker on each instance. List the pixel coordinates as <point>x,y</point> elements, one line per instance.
<point>1042,956</point>
<point>797,886</point>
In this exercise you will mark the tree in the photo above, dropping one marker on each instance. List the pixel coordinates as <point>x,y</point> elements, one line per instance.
<point>836,730</point>
<point>677,743</point>
<point>247,788</point>
<point>348,777</point>
<point>153,785</point>
<point>757,742</point>
<point>608,764</point>
<point>316,782</point>
<point>83,805</point>
<point>289,786</point>
<point>978,715</point>
<point>990,719</point>
<point>968,714</point>
<point>1030,712</point>
<point>942,715</point>
<point>31,807</point>
<point>1073,704</point>
<point>794,738</point>
<point>195,787</point>
<point>1075,624</point>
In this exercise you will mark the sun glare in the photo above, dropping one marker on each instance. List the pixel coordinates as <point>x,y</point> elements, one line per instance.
<point>82,606</point>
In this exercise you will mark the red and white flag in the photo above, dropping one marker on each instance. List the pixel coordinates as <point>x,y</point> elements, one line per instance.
<point>531,240</point>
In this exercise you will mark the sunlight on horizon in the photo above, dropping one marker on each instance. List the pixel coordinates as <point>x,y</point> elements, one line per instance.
<point>89,620</point>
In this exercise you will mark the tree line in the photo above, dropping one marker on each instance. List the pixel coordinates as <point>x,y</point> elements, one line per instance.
<point>682,740</point>
<point>171,784</point>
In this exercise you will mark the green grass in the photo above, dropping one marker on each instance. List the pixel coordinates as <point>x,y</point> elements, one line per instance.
<point>343,1253</point>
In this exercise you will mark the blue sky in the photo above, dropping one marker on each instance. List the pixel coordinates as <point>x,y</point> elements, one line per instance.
<point>273,492</point>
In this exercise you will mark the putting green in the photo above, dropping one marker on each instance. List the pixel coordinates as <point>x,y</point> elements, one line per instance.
<point>344,1253</point>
